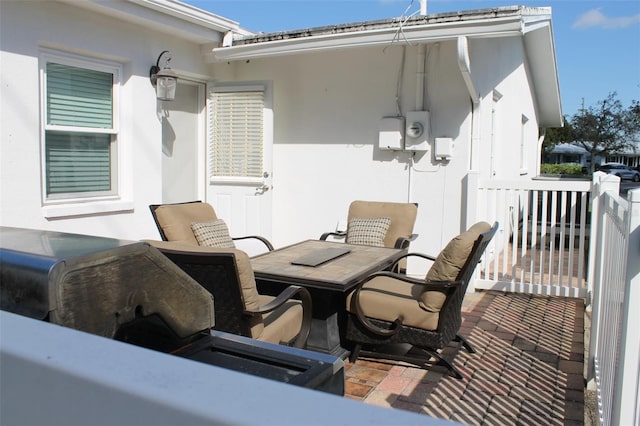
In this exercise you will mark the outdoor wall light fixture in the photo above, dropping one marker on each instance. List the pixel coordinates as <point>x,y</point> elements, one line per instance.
<point>164,79</point>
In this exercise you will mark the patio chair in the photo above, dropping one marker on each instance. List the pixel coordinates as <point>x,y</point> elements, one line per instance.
<point>389,308</point>
<point>238,308</point>
<point>378,223</point>
<point>195,223</point>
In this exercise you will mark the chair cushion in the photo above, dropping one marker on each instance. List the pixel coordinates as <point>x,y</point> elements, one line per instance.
<point>402,215</point>
<point>448,264</point>
<point>176,219</point>
<point>386,299</point>
<point>282,325</point>
<point>212,234</point>
<point>243,264</point>
<point>367,231</point>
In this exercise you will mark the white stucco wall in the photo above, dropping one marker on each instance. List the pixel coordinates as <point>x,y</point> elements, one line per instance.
<point>25,29</point>
<point>326,110</point>
<point>499,67</point>
<point>326,106</point>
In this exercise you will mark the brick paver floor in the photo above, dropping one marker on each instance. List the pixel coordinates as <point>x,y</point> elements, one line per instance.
<point>527,369</point>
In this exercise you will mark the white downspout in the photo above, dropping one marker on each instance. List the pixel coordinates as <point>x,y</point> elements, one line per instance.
<point>465,70</point>
<point>420,74</point>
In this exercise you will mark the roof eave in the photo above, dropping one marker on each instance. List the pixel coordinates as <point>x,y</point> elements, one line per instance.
<point>541,55</point>
<point>168,16</point>
<point>369,38</point>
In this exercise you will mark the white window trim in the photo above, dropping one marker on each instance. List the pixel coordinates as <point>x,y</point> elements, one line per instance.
<point>95,204</point>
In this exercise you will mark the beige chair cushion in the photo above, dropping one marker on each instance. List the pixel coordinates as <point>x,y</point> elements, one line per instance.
<point>402,215</point>
<point>282,325</point>
<point>367,231</point>
<point>448,264</point>
<point>213,234</point>
<point>386,299</point>
<point>176,219</point>
<point>245,273</point>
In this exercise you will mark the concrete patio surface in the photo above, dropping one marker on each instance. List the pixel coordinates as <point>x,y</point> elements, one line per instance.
<point>527,369</point>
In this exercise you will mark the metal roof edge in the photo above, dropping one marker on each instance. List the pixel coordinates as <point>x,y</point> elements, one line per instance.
<point>282,44</point>
<point>187,12</point>
<point>172,16</point>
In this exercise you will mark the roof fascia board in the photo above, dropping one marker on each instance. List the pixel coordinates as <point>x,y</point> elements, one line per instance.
<point>168,16</point>
<point>378,37</point>
<point>193,14</point>
<point>541,58</point>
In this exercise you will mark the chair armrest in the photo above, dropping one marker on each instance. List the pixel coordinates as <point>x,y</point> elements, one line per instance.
<point>395,327</point>
<point>395,266</point>
<point>339,234</point>
<point>403,242</point>
<point>257,237</point>
<point>286,295</point>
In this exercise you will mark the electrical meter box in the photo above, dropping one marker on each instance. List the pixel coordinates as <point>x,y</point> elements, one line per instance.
<point>418,131</point>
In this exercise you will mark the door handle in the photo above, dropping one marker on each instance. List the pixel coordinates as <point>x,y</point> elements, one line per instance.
<point>262,189</point>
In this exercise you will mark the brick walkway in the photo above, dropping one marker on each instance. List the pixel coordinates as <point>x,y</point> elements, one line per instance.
<point>527,369</point>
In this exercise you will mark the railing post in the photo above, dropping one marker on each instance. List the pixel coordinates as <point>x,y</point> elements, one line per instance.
<point>470,183</point>
<point>626,392</point>
<point>601,183</point>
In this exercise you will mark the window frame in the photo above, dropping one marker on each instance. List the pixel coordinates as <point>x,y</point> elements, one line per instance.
<point>89,63</point>
<point>236,88</point>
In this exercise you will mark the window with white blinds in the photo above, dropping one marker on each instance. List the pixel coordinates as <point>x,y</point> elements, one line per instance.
<point>79,134</point>
<point>235,133</point>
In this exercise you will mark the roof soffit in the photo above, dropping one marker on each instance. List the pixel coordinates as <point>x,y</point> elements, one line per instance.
<point>533,24</point>
<point>166,16</point>
<point>541,58</point>
<point>284,45</point>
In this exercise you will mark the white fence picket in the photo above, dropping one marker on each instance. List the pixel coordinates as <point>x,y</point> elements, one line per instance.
<point>541,248</point>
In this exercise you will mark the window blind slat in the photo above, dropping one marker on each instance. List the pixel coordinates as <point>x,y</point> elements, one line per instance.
<point>79,97</point>
<point>77,162</point>
<point>236,134</point>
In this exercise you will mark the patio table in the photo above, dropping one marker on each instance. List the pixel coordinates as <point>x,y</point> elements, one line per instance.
<point>338,268</point>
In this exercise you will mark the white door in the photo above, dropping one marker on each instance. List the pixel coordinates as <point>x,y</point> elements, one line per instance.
<point>239,151</point>
<point>182,139</point>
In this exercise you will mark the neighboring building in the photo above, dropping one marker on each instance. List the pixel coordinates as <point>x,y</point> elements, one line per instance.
<point>567,153</point>
<point>318,110</point>
<point>630,158</point>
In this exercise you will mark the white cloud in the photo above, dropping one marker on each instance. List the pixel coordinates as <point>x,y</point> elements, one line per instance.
<point>595,18</point>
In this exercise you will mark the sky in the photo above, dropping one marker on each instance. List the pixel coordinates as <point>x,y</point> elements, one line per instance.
<point>597,41</point>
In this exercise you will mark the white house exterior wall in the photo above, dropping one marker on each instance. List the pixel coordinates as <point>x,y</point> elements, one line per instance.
<point>326,107</point>
<point>25,29</point>
<point>326,110</point>
<point>499,69</point>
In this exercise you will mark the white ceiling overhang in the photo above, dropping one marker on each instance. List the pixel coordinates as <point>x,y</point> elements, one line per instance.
<point>533,24</point>
<point>541,57</point>
<point>166,16</point>
<point>367,38</point>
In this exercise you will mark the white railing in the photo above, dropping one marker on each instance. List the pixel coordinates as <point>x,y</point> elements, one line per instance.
<point>614,352</point>
<point>544,233</point>
<point>574,239</point>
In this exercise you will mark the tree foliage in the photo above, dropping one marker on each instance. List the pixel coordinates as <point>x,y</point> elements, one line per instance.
<point>556,135</point>
<point>603,129</point>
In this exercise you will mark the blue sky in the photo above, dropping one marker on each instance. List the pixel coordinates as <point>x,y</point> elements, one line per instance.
<point>597,41</point>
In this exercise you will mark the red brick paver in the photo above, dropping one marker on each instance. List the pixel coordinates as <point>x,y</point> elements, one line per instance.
<point>527,368</point>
